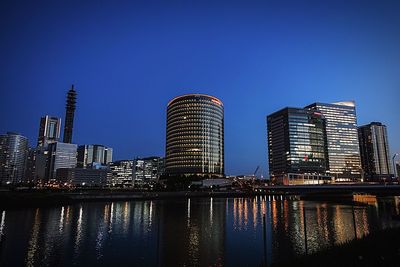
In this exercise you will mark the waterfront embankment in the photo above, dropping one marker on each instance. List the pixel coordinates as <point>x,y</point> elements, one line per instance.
<point>46,197</point>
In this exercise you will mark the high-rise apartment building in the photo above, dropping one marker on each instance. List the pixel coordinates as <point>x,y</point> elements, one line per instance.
<point>297,147</point>
<point>69,115</point>
<point>89,154</point>
<point>60,155</point>
<point>49,130</point>
<point>342,138</point>
<point>374,149</point>
<point>13,158</point>
<point>195,136</point>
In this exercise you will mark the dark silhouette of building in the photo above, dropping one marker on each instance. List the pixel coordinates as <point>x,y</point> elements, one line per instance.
<point>297,147</point>
<point>374,150</point>
<point>69,115</point>
<point>195,136</point>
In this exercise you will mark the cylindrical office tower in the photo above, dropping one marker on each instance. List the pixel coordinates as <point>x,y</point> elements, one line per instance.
<point>195,136</point>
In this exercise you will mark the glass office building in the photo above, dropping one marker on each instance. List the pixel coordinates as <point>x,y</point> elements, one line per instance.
<point>90,154</point>
<point>49,130</point>
<point>121,173</point>
<point>297,147</point>
<point>374,149</point>
<point>342,137</point>
<point>60,155</point>
<point>195,136</point>
<point>13,158</point>
<point>147,170</point>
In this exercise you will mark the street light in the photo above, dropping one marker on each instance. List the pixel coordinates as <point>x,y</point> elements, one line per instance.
<point>394,165</point>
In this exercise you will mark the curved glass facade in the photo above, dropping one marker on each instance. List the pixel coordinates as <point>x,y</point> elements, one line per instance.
<point>195,136</point>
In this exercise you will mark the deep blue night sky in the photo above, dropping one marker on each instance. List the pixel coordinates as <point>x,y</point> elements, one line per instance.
<point>127,60</point>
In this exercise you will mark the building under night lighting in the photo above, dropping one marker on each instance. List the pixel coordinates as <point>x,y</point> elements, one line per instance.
<point>90,154</point>
<point>147,170</point>
<point>374,149</point>
<point>195,136</point>
<point>342,137</point>
<point>49,130</point>
<point>297,147</point>
<point>121,173</point>
<point>60,155</point>
<point>13,158</point>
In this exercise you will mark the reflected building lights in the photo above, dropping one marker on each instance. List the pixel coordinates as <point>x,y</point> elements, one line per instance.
<point>211,211</point>
<point>188,209</point>
<point>78,231</point>
<point>33,242</point>
<point>2,224</point>
<point>255,212</point>
<point>286,214</point>
<point>111,218</point>
<point>126,217</point>
<point>61,222</point>
<point>68,215</point>
<point>151,214</point>
<point>365,223</point>
<point>246,212</point>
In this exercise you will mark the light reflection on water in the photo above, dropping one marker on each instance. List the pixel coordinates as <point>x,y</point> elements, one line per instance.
<point>196,231</point>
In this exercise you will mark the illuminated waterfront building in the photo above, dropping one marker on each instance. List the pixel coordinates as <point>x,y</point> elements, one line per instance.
<point>147,170</point>
<point>60,155</point>
<point>121,173</point>
<point>13,158</point>
<point>195,136</point>
<point>82,177</point>
<point>49,130</point>
<point>342,138</point>
<point>297,147</point>
<point>374,150</point>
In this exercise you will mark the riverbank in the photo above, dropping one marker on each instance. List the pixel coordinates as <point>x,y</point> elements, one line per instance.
<point>380,248</point>
<point>54,197</point>
<point>43,198</point>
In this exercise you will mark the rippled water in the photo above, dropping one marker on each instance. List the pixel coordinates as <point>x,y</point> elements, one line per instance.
<point>181,232</point>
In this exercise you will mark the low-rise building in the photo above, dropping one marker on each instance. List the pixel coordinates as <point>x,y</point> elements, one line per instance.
<point>82,177</point>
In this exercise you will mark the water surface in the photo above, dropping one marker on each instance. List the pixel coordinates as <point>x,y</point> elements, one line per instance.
<point>182,232</point>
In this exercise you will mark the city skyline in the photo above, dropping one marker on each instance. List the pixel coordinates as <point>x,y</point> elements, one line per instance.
<point>125,82</point>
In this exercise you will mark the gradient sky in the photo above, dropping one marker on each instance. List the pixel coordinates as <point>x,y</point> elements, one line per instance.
<point>127,59</point>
